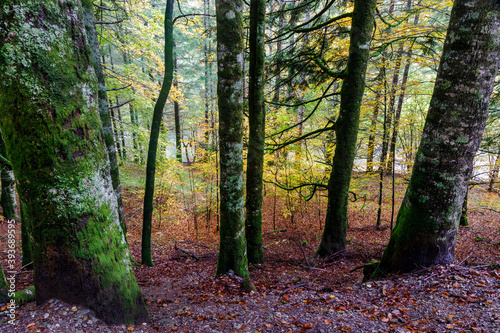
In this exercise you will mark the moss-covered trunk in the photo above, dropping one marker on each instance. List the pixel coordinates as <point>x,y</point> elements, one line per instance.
<point>49,115</point>
<point>346,128</point>
<point>233,249</point>
<point>155,133</point>
<point>107,130</point>
<point>257,116</point>
<point>428,219</point>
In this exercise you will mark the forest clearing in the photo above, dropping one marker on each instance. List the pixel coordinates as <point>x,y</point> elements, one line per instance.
<point>250,166</point>
<point>296,293</point>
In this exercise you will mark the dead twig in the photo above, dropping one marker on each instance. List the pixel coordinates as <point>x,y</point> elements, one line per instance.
<point>272,232</point>
<point>334,255</point>
<point>185,252</point>
<point>293,287</point>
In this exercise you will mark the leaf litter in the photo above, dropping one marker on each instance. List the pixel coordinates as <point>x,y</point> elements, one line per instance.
<point>295,292</point>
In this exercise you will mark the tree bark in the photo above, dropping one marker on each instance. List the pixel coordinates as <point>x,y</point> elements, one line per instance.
<point>494,171</point>
<point>177,117</point>
<point>428,219</point>
<point>104,114</point>
<point>256,140</point>
<point>346,128</point>
<point>155,132</point>
<point>232,250</point>
<point>373,131</point>
<point>50,120</point>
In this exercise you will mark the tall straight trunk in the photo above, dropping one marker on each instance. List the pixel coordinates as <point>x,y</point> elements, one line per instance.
<point>464,217</point>
<point>135,139</point>
<point>27,260</point>
<point>206,7</point>
<point>397,117</point>
<point>50,120</point>
<point>104,115</point>
<point>121,134</point>
<point>390,114</point>
<point>279,61</point>
<point>233,249</point>
<point>346,128</point>
<point>177,117</point>
<point>402,91</point>
<point>8,197</point>
<point>494,171</point>
<point>155,133</point>
<point>114,125</point>
<point>256,140</point>
<point>428,219</point>
<point>330,139</point>
<point>373,132</point>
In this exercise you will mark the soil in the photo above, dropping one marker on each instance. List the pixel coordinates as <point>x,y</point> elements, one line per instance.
<point>294,293</point>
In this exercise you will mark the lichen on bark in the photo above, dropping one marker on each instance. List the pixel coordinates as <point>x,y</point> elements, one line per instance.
<point>346,129</point>
<point>50,120</point>
<point>428,219</point>
<point>232,251</point>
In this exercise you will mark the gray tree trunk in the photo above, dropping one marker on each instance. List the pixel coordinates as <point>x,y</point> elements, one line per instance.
<point>428,219</point>
<point>104,113</point>
<point>155,133</point>
<point>256,139</point>
<point>233,248</point>
<point>346,128</point>
<point>49,115</point>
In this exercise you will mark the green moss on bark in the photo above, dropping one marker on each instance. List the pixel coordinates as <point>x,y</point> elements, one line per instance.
<point>346,128</point>
<point>256,139</point>
<point>428,219</point>
<point>52,130</point>
<point>232,251</point>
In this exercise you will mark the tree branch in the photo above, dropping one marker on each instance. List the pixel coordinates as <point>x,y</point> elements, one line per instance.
<point>109,22</point>
<point>120,105</point>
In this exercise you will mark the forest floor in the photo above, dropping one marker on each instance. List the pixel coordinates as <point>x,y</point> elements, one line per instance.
<point>296,293</point>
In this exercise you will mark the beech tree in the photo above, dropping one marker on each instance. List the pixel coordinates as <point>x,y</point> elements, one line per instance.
<point>155,132</point>
<point>429,215</point>
<point>49,118</point>
<point>233,248</point>
<point>346,128</point>
<point>256,115</point>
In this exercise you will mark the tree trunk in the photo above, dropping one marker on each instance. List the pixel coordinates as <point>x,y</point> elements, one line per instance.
<point>494,171</point>
<point>177,117</point>
<point>428,219</point>
<point>25,238</point>
<point>401,97</point>
<point>391,116</point>
<point>107,131</point>
<point>346,128</point>
<point>155,132</point>
<point>464,218</point>
<point>50,120</point>
<point>373,132</point>
<point>8,197</point>
<point>257,115</point>
<point>121,134</point>
<point>232,250</point>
